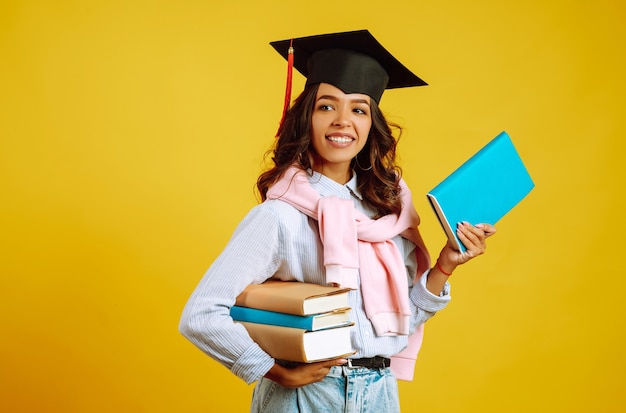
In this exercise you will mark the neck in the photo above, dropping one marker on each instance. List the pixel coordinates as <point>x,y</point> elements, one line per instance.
<point>338,173</point>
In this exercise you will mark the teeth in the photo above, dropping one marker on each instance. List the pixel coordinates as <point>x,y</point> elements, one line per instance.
<point>339,139</point>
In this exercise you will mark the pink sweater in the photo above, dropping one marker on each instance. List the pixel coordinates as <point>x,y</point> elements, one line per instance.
<point>355,244</point>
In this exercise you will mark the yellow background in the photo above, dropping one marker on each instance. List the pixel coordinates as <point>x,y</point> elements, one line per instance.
<point>132,133</point>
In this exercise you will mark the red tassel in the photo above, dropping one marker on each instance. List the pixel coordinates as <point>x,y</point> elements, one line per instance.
<point>288,86</point>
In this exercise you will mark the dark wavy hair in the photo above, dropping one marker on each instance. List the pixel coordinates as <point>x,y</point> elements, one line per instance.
<point>375,165</point>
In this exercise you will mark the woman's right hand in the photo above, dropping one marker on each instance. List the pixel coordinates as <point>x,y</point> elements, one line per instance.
<point>302,374</point>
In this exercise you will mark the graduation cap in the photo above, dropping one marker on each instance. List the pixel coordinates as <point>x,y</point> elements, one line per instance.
<point>355,62</point>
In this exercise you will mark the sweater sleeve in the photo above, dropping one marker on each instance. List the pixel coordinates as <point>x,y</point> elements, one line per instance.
<point>252,255</point>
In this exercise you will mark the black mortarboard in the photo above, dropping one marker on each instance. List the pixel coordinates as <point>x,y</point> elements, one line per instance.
<point>355,62</point>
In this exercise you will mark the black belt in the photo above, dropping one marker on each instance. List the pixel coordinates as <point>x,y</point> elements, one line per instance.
<point>369,363</point>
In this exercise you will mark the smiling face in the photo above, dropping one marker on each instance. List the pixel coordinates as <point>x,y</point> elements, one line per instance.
<point>340,125</point>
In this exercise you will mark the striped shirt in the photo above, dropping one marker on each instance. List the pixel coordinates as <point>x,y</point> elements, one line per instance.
<point>275,240</point>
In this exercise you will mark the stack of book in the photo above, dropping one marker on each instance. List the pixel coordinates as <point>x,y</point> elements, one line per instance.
<point>295,321</point>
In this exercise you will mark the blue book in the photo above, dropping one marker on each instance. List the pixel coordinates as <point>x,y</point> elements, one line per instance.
<point>314,322</point>
<point>483,189</point>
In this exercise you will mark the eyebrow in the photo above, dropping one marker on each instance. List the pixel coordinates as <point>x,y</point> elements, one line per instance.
<point>335,99</point>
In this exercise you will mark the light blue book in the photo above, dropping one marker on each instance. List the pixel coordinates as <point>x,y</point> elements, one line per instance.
<point>483,189</point>
<point>339,317</point>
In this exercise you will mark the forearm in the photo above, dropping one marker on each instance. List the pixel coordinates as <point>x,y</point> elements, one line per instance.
<point>206,320</point>
<point>438,277</point>
<point>215,334</point>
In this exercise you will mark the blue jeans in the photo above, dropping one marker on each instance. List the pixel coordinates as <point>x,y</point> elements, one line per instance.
<point>343,390</point>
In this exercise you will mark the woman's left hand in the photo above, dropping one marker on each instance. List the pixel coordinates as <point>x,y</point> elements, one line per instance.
<point>473,237</point>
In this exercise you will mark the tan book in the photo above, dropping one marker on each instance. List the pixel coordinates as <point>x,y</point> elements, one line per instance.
<point>294,344</point>
<point>293,297</point>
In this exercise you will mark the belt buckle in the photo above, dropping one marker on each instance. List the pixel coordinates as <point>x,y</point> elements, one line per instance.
<point>350,366</point>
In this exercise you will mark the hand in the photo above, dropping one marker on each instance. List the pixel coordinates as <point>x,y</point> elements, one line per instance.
<point>302,374</point>
<point>473,237</point>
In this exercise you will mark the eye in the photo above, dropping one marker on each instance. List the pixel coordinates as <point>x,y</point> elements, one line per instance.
<point>360,111</point>
<point>325,107</point>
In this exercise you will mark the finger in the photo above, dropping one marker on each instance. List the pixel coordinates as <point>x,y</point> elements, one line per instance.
<point>331,363</point>
<point>470,233</point>
<point>474,240</point>
<point>477,230</point>
<point>470,250</point>
<point>337,362</point>
<point>488,229</point>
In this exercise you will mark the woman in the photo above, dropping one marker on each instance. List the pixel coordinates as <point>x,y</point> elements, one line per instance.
<point>334,162</point>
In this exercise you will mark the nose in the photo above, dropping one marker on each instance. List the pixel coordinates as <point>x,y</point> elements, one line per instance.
<point>342,119</point>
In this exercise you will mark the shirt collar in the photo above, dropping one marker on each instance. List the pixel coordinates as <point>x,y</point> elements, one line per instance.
<point>352,187</point>
<point>327,187</point>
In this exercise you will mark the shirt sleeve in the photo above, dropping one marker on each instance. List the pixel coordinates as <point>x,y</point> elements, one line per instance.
<point>252,255</point>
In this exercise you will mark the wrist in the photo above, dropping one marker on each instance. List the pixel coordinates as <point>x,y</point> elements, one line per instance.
<point>275,373</point>
<point>444,269</point>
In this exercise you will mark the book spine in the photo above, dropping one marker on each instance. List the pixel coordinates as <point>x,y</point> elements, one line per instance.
<point>445,223</point>
<point>255,315</point>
